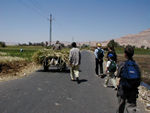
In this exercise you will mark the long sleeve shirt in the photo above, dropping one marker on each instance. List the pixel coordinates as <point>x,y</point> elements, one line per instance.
<point>74,56</point>
<point>95,52</point>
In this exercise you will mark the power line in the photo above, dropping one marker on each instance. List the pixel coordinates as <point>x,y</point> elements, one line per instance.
<point>35,9</point>
<point>40,12</point>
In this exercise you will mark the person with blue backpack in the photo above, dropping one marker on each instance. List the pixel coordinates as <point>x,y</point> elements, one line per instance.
<point>129,79</point>
<point>99,54</point>
<point>110,70</point>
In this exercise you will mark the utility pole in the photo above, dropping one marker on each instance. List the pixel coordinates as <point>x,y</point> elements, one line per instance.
<point>72,39</point>
<point>50,35</point>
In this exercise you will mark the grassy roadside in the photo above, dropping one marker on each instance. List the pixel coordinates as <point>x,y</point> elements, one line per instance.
<point>14,51</point>
<point>14,63</point>
<point>12,55</point>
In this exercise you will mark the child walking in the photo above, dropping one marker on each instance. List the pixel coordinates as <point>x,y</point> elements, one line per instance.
<point>110,70</point>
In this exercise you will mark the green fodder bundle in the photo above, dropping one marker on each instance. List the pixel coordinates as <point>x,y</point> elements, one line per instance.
<point>40,55</point>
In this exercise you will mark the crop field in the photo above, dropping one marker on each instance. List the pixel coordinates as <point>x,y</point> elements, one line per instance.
<point>138,51</point>
<point>144,64</point>
<point>14,51</point>
<point>13,62</point>
<point>142,57</point>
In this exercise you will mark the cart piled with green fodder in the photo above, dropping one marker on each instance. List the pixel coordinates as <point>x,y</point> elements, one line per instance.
<point>52,58</point>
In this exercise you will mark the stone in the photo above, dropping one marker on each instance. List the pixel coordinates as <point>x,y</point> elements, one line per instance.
<point>147,106</point>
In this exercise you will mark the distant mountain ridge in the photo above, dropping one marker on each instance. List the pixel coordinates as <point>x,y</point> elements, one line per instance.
<point>138,40</point>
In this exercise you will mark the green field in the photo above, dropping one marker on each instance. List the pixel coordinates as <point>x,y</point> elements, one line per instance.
<point>143,62</point>
<point>29,50</point>
<point>14,51</point>
<point>142,56</point>
<point>138,51</point>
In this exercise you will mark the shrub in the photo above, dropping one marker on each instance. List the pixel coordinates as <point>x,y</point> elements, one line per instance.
<point>112,43</point>
<point>2,44</point>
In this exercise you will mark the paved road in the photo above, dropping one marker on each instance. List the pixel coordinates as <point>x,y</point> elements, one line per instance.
<point>53,92</point>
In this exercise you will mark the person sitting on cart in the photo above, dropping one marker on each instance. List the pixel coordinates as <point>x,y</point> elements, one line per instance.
<point>57,46</point>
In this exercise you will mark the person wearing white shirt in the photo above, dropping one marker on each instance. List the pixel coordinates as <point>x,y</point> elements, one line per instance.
<point>110,73</point>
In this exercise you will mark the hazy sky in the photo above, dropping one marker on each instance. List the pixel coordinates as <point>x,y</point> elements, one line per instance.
<point>78,20</point>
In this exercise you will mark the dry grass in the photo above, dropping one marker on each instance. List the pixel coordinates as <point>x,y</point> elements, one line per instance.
<point>3,54</point>
<point>14,64</point>
<point>17,70</point>
<point>14,67</point>
<point>9,59</point>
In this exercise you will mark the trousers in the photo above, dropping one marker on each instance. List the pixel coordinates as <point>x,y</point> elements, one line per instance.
<point>74,72</point>
<point>99,66</point>
<point>111,76</point>
<point>127,100</point>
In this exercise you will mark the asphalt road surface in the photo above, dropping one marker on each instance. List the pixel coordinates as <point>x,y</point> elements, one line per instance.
<point>54,92</point>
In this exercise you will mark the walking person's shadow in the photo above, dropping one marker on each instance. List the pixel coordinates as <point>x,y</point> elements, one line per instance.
<point>82,80</point>
<point>79,81</point>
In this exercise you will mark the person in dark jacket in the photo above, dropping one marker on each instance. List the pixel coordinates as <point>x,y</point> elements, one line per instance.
<point>129,79</point>
<point>111,50</point>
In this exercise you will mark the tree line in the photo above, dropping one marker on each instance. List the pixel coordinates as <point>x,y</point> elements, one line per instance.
<point>45,44</point>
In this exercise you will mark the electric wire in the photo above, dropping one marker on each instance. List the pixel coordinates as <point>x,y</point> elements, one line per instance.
<point>33,8</point>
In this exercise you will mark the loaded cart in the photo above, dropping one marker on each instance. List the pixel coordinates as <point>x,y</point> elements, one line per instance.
<point>52,58</point>
<point>55,61</point>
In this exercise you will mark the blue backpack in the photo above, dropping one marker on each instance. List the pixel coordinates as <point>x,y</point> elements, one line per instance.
<point>131,74</point>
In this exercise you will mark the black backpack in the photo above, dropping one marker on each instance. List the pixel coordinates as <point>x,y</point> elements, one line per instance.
<point>100,54</point>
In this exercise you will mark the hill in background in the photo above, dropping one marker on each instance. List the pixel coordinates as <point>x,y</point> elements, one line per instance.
<point>138,40</point>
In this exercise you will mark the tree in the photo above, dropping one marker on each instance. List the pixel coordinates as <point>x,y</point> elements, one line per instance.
<point>2,44</point>
<point>30,43</point>
<point>112,43</point>
<point>42,44</point>
<point>142,46</point>
<point>85,46</point>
